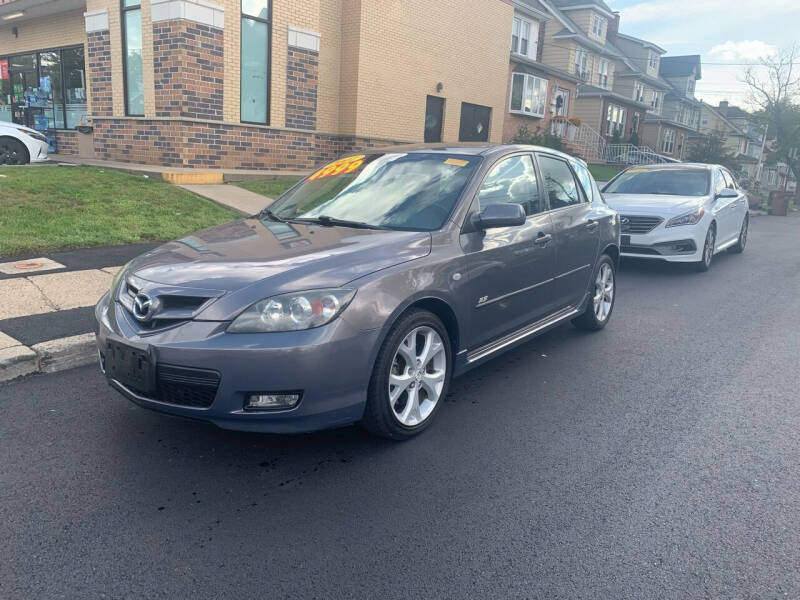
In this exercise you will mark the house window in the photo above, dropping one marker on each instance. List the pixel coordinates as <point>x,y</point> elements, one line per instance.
<point>132,57</point>
<point>528,95</point>
<point>655,102</point>
<point>690,87</point>
<point>615,119</point>
<point>602,73</point>
<point>581,63</point>
<point>653,60</point>
<point>599,26</point>
<point>638,92</point>
<point>668,147</point>
<point>255,71</point>
<point>524,37</point>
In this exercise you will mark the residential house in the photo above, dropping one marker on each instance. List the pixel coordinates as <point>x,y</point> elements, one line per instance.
<point>638,78</point>
<point>668,131</point>
<point>541,95</point>
<point>253,83</point>
<point>583,45</point>
<point>742,135</point>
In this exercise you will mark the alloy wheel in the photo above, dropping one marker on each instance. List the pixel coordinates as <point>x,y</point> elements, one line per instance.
<point>708,249</point>
<point>417,376</point>
<point>9,153</point>
<point>603,292</point>
<point>743,234</point>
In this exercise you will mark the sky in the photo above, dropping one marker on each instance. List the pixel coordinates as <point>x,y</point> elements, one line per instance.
<point>727,34</point>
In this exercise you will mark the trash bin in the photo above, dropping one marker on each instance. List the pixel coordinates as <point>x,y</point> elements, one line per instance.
<point>779,203</point>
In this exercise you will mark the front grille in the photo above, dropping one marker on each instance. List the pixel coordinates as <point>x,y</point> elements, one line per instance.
<point>186,387</point>
<point>639,225</point>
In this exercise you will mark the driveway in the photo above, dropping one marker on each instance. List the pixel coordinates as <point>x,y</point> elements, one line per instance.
<point>658,458</point>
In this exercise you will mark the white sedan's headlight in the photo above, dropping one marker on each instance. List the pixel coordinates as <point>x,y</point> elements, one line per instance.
<point>688,219</point>
<point>293,312</point>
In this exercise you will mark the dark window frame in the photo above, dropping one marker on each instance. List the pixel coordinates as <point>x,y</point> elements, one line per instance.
<point>268,23</point>
<point>123,10</point>
<point>37,53</point>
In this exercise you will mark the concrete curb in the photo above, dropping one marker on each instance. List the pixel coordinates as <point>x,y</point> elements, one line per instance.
<point>47,357</point>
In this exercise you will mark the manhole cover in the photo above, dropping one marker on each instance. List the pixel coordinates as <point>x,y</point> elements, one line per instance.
<point>29,265</point>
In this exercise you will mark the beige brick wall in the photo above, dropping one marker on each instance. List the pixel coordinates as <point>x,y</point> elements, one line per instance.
<point>63,29</point>
<point>408,46</point>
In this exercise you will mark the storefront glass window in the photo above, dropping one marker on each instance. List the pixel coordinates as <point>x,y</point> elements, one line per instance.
<point>50,95</point>
<point>134,82</point>
<point>74,86</point>
<point>255,61</point>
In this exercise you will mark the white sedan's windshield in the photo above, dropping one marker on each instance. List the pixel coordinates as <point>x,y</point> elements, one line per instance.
<point>393,190</point>
<point>668,182</point>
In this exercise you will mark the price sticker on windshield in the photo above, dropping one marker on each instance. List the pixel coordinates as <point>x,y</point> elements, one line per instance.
<point>351,164</point>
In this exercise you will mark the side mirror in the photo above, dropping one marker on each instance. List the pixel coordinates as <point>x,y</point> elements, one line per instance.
<point>499,215</point>
<point>727,193</point>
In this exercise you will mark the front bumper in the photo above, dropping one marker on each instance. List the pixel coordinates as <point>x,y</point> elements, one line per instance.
<point>331,367</point>
<point>673,244</point>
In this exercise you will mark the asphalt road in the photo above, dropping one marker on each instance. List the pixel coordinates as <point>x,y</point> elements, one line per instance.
<point>655,459</point>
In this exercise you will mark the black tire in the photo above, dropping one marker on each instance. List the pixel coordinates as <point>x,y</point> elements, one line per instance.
<point>589,319</point>
<point>379,418</point>
<point>738,247</point>
<point>708,255</point>
<point>12,152</point>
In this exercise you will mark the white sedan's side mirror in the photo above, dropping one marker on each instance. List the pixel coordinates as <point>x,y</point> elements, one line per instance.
<point>727,193</point>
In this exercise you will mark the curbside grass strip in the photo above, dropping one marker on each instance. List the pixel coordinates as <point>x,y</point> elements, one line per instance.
<point>47,357</point>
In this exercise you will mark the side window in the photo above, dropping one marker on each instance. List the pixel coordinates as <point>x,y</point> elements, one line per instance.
<point>729,182</point>
<point>719,182</point>
<point>587,181</point>
<point>512,181</point>
<point>562,189</point>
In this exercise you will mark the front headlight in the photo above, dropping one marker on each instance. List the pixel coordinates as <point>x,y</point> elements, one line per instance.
<point>688,219</point>
<point>293,312</point>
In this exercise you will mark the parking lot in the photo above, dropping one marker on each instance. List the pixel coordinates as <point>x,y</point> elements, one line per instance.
<point>657,458</point>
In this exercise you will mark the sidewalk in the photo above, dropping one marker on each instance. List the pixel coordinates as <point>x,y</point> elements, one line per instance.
<point>243,201</point>
<point>47,313</point>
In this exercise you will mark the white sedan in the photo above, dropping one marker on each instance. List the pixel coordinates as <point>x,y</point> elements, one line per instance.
<point>681,212</point>
<point>20,145</point>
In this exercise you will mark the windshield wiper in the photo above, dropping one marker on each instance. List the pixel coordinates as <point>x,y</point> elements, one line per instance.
<point>327,221</point>
<point>266,212</point>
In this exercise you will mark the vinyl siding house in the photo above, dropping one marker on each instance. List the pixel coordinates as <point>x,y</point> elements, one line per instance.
<point>743,137</point>
<point>541,95</point>
<point>668,132</point>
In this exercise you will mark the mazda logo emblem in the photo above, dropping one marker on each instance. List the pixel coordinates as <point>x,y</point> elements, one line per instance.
<point>143,307</point>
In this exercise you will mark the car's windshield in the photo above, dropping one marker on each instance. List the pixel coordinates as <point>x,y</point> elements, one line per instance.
<point>668,182</point>
<point>399,190</point>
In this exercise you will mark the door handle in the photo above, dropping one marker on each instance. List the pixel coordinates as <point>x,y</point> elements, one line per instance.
<point>591,225</point>
<point>543,239</point>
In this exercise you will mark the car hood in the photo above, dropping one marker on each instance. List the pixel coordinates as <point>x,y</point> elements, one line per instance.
<point>5,126</point>
<point>652,204</point>
<point>250,259</point>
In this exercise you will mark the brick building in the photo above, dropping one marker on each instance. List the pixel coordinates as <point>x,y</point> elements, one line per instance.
<point>253,83</point>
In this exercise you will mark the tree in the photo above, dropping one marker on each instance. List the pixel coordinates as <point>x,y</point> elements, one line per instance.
<point>774,89</point>
<point>710,149</point>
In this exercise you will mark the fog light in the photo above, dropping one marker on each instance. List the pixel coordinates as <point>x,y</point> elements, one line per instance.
<point>267,401</point>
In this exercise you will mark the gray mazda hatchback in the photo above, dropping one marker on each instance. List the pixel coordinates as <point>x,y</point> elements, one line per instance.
<point>361,291</point>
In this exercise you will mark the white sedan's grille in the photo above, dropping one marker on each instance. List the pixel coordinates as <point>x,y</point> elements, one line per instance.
<point>639,225</point>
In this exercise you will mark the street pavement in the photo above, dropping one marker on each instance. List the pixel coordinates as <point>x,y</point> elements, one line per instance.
<point>655,459</point>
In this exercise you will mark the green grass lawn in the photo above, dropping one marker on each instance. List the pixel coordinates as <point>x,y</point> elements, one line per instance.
<point>45,208</point>
<point>271,188</point>
<point>602,172</point>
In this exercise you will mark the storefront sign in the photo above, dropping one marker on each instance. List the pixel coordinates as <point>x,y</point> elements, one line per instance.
<point>4,68</point>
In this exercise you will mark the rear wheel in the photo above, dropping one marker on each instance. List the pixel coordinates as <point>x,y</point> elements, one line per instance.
<point>12,152</point>
<point>410,377</point>
<point>601,304</point>
<point>708,250</point>
<point>738,248</point>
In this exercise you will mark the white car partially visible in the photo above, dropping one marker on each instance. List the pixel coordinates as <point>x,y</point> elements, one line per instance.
<point>21,145</point>
<point>679,212</point>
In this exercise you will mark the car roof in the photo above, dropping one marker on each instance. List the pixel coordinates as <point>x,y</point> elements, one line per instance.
<point>475,149</point>
<point>679,166</point>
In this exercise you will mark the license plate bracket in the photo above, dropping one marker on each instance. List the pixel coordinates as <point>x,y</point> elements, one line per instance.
<point>132,367</point>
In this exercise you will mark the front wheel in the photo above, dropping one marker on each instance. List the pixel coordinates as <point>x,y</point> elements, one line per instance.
<point>708,250</point>
<point>410,377</point>
<point>12,152</point>
<point>599,308</point>
<point>738,248</point>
